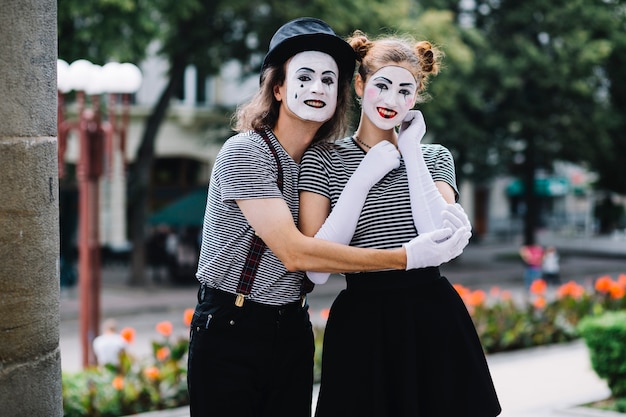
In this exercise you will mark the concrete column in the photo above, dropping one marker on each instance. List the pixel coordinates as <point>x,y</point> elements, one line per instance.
<point>30,359</point>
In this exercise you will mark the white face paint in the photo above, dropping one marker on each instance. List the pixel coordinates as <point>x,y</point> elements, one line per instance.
<point>312,84</point>
<point>388,96</point>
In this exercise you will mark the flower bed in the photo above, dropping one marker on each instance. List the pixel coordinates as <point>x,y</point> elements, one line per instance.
<point>137,385</point>
<point>546,315</point>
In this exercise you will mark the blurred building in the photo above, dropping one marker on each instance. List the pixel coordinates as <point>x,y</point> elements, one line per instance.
<point>187,143</point>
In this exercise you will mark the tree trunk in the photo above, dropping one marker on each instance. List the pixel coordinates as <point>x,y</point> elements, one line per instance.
<point>139,178</point>
<point>530,196</point>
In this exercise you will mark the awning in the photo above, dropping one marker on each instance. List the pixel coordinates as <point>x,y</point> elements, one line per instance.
<point>544,187</point>
<point>186,211</point>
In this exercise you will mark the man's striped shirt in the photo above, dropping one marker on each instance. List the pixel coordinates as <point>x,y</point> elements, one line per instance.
<point>246,169</point>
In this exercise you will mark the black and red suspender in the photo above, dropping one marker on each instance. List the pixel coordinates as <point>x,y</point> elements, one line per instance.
<point>257,248</point>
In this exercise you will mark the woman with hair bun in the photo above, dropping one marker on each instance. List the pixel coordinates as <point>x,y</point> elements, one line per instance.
<point>397,343</point>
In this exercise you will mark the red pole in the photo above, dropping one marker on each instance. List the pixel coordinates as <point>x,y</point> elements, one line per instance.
<point>88,172</point>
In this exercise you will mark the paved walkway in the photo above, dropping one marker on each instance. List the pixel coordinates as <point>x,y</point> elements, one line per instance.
<point>538,382</point>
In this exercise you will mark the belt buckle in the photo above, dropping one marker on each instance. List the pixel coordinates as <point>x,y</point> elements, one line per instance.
<point>239,300</point>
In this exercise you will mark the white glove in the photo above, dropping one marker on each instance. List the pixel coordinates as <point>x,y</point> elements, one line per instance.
<point>341,222</point>
<point>427,203</point>
<point>454,217</point>
<point>435,248</point>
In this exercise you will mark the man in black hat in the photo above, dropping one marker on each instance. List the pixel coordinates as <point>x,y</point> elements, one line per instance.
<point>251,341</point>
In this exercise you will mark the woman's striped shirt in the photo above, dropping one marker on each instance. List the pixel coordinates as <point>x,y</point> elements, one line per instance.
<point>246,169</point>
<point>386,221</point>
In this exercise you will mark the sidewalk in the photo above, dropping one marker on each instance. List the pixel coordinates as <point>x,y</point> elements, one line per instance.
<point>545,381</point>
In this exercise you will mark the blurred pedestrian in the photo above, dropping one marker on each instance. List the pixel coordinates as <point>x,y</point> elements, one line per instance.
<point>550,266</point>
<point>157,254</point>
<point>532,256</point>
<point>109,345</point>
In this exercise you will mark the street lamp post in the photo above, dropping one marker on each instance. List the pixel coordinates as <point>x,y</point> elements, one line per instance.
<point>97,144</point>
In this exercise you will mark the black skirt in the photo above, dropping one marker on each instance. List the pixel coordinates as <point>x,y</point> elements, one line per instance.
<point>400,344</point>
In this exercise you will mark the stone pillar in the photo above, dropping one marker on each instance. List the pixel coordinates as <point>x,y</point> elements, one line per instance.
<point>30,358</point>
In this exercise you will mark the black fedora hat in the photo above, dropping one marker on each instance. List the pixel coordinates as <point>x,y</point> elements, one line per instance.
<point>310,34</point>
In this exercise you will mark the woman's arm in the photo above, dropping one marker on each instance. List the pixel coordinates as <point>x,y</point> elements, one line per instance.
<point>338,225</point>
<point>429,198</point>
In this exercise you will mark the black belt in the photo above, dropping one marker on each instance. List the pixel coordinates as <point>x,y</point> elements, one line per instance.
<point>215,296</point>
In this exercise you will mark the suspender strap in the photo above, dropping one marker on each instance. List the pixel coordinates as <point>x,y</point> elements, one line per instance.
<point>257,248</point>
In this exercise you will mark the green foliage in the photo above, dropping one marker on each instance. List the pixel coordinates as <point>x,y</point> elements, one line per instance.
<point>605,335</point>
<point>103,30</point>
<point>549,77</point>
<point>514,71</point>
<point>136,386</point>
<point>544,316</point>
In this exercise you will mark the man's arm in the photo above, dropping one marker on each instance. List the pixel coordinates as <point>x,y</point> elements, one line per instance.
<point>272,221</point>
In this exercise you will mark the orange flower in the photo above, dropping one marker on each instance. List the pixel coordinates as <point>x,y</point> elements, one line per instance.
<point>477,298</point>
<point>616,291</point>
<point>325,313</point>
<point>187,316</point>
<point>506,295</point>
<point>570,289</point>
<point>151,372</point>
<point>603,284</point>
<point>163,353</point>
<point>539,303</point>
<point>118,382</point>
<point>621,278</point>
<point>463,291</point>
<point>165,328</point>
<point>128,333</point>
<point>538,287</point>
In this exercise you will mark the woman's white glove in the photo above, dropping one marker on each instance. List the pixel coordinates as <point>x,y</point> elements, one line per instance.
<point>341,222</point>
<point>427,203</point>
<point>454,217</point>
<point>436,247</point>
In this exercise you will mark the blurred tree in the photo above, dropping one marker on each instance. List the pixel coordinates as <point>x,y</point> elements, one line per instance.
<point>608,147</point>
<point>549,89</point>
<point>194,32</point>
<point>103,30</point>
<point>539,89</point>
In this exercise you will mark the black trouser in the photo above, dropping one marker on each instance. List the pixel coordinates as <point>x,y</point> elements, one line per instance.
<point>255,360</point>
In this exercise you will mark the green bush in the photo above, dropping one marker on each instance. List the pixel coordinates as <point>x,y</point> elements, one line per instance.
<point>605,335</point>
<point>135,386</point>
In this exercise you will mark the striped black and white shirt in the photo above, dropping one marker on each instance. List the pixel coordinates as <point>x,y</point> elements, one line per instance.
<point>386,221</point>
<point>246,169</point>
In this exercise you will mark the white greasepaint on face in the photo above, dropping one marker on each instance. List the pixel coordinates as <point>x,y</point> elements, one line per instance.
<point>388,96</point>
<point>312,86</point>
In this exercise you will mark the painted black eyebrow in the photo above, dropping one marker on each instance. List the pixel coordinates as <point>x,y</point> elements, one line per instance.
<point>312,70</point>
<point>390,82</point>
